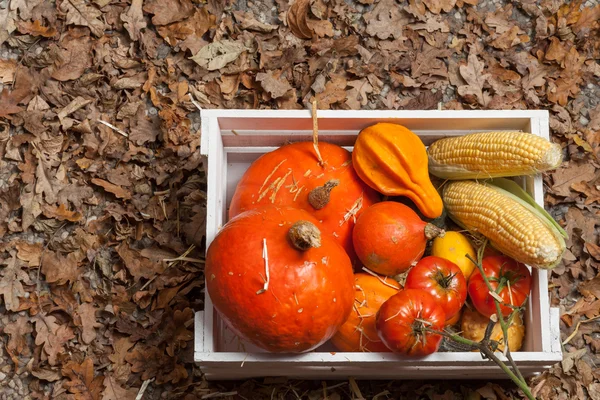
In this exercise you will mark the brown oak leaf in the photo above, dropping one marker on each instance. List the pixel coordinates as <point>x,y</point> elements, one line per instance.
<point>297,17</point>
<point>188,33</point>
<point>569,174</point>
<point>137,265</point>
<point>335,92</point>
<point>111,188</point>
<point>358,95</point>
<point>87,320</point>
<point>82,382</point>
<point>591,287</point>
<point>114,391</point>
<point>473,74</point>
<point>29,252</point>
<point>9,100</point>
<point>168,11</point>
<point>273,83</point>
<point>35,28</point>
<point>8,68</point>
<point>52,336</point>
<point>61,213</point>
<point>121,368</point>
<point>74,58</point>
<point>436,6</point>
<point>79,13</point>
<point>17,332</point>
<point>58,268</point>
<point>385,20</point>
<point>567,85</point>
<point>134,19</point>
<point>10,283</point>
<point>148,360</point>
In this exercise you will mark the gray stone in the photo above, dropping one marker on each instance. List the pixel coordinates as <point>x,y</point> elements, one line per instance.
<point>457,15</point>
<point>590,85</point>
<point>2,376</point>
<point>12,384</point>
<point>584,121</point>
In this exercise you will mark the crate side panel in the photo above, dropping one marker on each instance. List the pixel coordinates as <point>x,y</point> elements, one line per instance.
<point>214,215</point>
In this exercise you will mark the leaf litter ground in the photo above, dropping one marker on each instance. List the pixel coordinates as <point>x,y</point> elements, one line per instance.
<point>103,190</point>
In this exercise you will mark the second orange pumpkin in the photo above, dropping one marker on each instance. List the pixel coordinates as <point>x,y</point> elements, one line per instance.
<point>359,333</point>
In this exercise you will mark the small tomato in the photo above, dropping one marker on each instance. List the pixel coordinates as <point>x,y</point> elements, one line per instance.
<point>442,279</point>
<point>404,322</point>
<point>510,279</point>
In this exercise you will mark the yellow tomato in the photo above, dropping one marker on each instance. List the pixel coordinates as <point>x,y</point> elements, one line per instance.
<point>455,246</point>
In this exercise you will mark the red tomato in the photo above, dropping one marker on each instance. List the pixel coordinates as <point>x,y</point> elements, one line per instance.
<point>442,279</point>
<point>403,319</point>
<point>509,278</point>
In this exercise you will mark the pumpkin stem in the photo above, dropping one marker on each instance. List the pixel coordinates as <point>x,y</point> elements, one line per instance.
<point>319,196</point>
<point>316,133</point>
<point>304,235</point>
<point>432,231</point>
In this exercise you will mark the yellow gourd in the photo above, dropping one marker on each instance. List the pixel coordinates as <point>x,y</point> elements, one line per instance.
<point>393,160</point>
<point>454,246</point>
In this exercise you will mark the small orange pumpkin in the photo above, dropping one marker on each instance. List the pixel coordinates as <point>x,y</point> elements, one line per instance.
<point>393,160</point>
<point>359,333</point>
<point>389,237</point>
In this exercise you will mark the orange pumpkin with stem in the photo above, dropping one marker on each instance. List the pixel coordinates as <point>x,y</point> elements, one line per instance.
<point>359,333</point>
<point>318,178</point>
<point>389,237</point>
<point>277,281</point>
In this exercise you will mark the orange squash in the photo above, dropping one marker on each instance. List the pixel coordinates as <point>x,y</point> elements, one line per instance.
<point>359,333</point>
<point>393,160</point>
<point>292,176</point>
<point>389,237</point>
<point>277,281</point>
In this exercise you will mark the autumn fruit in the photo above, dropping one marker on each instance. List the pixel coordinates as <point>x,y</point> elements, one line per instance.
<point>455,247</point>
<point>510,280</point>
<point>393,160</point>
<point>292,176</point>
<point>473,326</point>
<point>389,237</point>
<point>442,279</point>
<point>277,281</point>
<point>404,322</point>
<point>358,333</point>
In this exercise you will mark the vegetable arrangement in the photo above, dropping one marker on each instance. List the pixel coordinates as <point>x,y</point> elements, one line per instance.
<point>314,246</point>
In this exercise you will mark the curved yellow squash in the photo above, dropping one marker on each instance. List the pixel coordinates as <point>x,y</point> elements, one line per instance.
<point>393,160</point>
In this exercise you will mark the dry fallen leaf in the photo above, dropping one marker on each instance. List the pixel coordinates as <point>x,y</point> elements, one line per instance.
<point>79,13</point>
<point>35,28</point>
<point>297,17</point>
<point>114,391</point>
<point>111,188</point>
<point>134,19</point>
<point>82,381</point>
<point>29,252</point>
<point>11,287</point>
<point>218,54</point>
<point>473,74</point>
<point>568,175</point>
<point>273,83</point>
<point>168,11</point>
<point>60,269</point>
<point>9,101</point>
<point>385,20</point>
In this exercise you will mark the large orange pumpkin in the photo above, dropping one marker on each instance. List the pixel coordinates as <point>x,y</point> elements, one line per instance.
<point>359,333</point>
<point>292,176</point>
<point>277,282</point>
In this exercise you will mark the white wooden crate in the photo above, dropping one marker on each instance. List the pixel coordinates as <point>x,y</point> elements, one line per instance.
<point>232,139</point>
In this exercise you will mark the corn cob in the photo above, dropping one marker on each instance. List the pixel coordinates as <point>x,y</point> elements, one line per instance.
<point>492,154</point>
<point>512,225</point>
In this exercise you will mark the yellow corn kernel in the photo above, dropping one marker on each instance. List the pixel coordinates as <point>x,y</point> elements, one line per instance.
<point>510,226</point>
<point>491,155</point>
